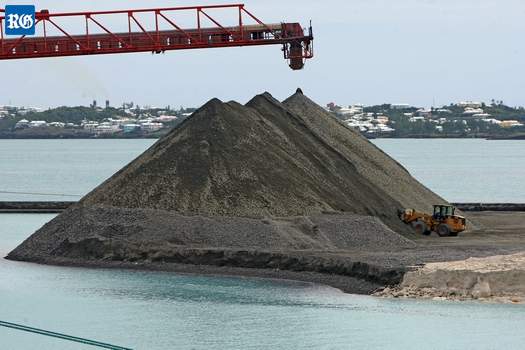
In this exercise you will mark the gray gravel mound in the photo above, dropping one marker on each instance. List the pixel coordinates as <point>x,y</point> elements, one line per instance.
<point>255,160</point>
<point>262,177</point>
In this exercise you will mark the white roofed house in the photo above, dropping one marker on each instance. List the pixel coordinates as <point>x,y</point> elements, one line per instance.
<point>469,111</point>
<point>492,121</point>
<point>57,124</point>
<point>382,119</point>
<point>107,128</point>
<point>165,118</point>
<point>351,110</point>
<point>416,119</point>
<point>481,116</point>
<point>38,124</point>
<point>425,113</point>
<point>345,111</point>
<point>21,124</point>
<point>90,126</point>
<point>400,106</point>
<point>510,123</point>
<point>470,104</point>
<point>151,126</point>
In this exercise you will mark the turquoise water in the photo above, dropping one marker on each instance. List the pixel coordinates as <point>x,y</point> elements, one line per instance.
<point>147,310</point>
<point>464,170</point>
<point>71,167</point>
<point>461,170</point>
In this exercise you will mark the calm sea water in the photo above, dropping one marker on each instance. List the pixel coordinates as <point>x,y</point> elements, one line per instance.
<point>63,167</point>
<point>464,170</point>
<point>146,310</point>
<point>459,170</point>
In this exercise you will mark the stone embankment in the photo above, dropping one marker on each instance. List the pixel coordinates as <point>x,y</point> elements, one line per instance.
<point>34,207</point>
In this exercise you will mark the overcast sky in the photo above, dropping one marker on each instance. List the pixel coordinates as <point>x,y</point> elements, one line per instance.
<point>367,51</point>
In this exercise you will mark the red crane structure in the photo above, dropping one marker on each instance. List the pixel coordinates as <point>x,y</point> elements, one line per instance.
<point>97,37</point>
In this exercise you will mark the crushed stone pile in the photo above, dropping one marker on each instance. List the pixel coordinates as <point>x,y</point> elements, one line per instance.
<point>262,176</point>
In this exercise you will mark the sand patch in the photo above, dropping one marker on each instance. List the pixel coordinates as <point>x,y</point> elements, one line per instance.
<point>497,278</point>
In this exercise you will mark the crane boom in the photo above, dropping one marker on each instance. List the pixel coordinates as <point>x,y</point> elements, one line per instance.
<point>98,37</point>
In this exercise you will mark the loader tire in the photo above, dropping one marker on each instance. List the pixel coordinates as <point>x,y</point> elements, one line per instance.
<point>443,230</point>
<point>420,228</point>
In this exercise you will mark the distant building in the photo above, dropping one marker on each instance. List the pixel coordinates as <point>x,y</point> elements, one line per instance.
<point>22,124</point>
<point>151,126</point>
<point>416,119</point>
<point>165,118</point>
<point>510,123</point>
<point>107,128</point>
<point>130,127</point>
<point>57,125</point>
<point>400,106</point>
<point>38,124</point>
<point>425,113</point>
<point>382,119</point>
<point>344,111</point>
<point>481,115</point>
<point>492,121</point>
<point>90,126</point>
<point>470,104</point>
<point>472,111</point>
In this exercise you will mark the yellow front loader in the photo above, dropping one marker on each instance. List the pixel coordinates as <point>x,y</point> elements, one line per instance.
<point>444,221</point>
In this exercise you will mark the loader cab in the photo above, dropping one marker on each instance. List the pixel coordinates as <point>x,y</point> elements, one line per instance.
<point>443,211</point>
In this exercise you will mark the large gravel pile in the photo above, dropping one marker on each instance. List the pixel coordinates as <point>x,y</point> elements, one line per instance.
<point>265,158</point>
<point>265,176</point>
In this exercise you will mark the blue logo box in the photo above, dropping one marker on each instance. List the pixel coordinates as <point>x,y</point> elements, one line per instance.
<point>20,20</point>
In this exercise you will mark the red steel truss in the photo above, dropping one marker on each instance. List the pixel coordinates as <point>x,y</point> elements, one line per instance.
<point>297,43</point>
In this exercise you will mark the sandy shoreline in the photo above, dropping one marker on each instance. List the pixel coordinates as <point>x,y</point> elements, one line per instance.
<point>499,278</point>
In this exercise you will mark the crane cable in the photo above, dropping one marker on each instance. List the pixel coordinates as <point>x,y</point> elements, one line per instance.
<point>61,336</point>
